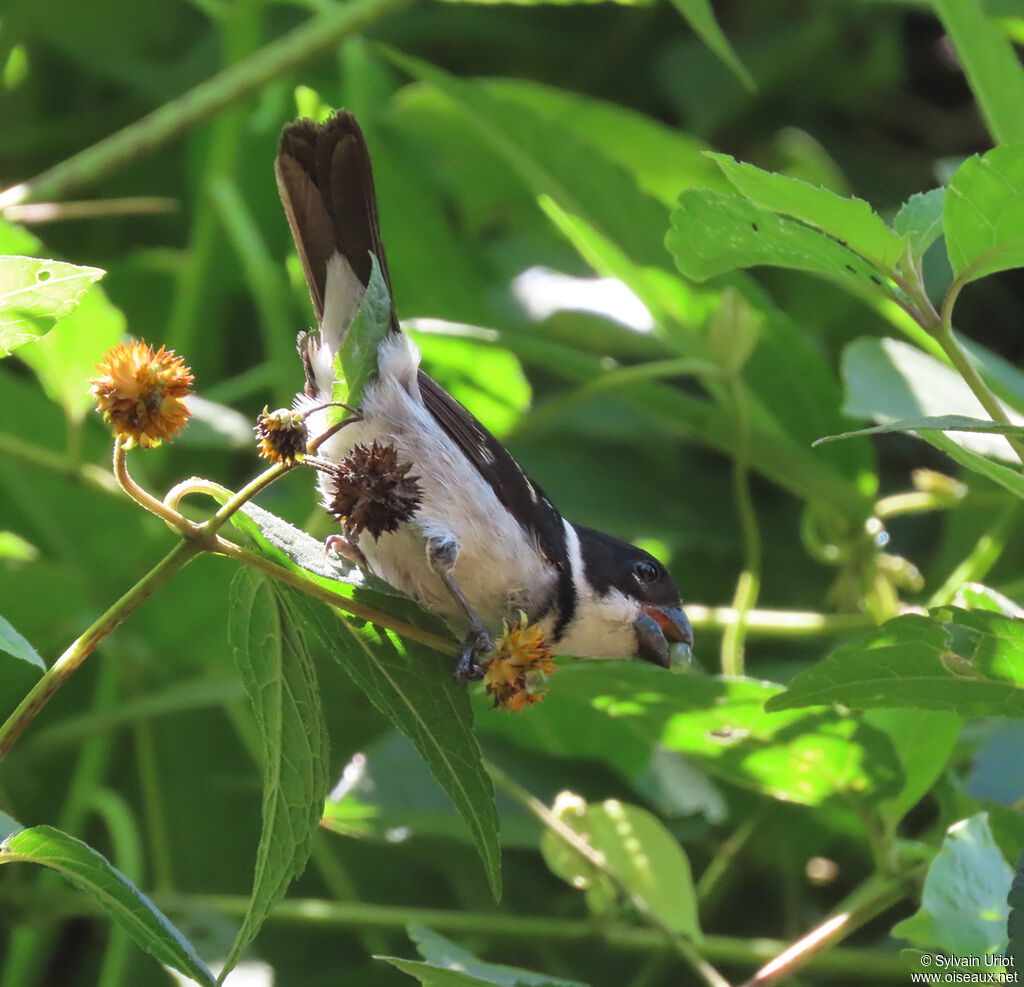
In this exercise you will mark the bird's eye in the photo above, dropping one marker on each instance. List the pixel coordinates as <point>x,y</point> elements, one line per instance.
<point>646,572</point>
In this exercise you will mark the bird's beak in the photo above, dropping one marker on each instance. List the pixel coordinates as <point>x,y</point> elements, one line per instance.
<point>655,628</point>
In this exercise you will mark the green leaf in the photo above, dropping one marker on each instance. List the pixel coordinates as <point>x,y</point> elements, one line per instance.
<point>66,358</point>
<point>9,826</point>
<point>34,294</point>
<point>552,161</point>
<point>355,364</point>
<point>279,678</point>
<point>638,852</point>
<point>975,596</point>
<point>412,686</point>
<point>963,905</point>
<point>701,18</point>
<point>442,954</point>
<point>890,381</point>
<point>983,213</point>
<point>991,66</point>
<point>662,159</point>
<point>1003,475</point>
<point>968,662</point>
<point>434,976</point>
<point>920,221</point>
<point>1015,922</point>
<point>850,221</point>
<point>939,423</point>
<point>616,711</point>
<point>924,740</point>
<point>713,232</point>
<point>111,890</point>
<point>14,644</point>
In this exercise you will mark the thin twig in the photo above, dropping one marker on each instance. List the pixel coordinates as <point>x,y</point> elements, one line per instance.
<point>580,845</point>
<point>179,116</point>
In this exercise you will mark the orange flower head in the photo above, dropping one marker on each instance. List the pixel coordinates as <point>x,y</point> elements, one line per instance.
<point>282,436</point>
<point>516,674</point>
<point>140,393</point>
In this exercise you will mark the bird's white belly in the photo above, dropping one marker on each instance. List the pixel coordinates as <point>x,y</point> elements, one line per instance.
<point>497,568</point>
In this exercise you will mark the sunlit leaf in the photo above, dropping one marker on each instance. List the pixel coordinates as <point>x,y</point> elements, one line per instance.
<point>920,220</point>
<point>355,364</point>
<point>14,644</point>
<point>983,213</point>
<point>713,232</point>
<point>890,381</point>
<point>966,662</point>
<point>850,221</point>
<point>65,359</point>
<point>637,851</point>
<point>93,874</point>
<point>35,293</point>
<point>991,66</point>
<point>963,906</point>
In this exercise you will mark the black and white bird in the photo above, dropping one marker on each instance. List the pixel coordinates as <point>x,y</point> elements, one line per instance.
<point>485,542</point>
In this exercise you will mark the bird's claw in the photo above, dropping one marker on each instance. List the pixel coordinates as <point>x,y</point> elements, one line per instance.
<point>477,643</point>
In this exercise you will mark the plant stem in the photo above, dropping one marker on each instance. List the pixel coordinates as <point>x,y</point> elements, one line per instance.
<point>749,581</point>
<point>579,843</point>
<point>778,623</point>
<point>175,118</point>
<point>943,332</point>
<point>144,498</point>
<point>870,899</point>
<point>54,677</point>
<point>56,462</point>
<point>313,588</point>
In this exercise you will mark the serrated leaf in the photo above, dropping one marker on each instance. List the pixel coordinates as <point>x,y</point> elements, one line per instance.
<point>440,952</point>
<point>14,644</point>
<point>713,232</point>
<point>701,18</point>
<point>937,423</point>
<point>991,66</point>
<point>637,851</point>
<point>279,678</point>
<point>970,663</point>
<point>920,220</point>
<point>35,293</point>
<point>963,905</point>
<point>983,213</point>
<point>849,220</point>
<point>355,364</point>
<point>889,381</point>
<point>412,686</point>
<point>93,874</point>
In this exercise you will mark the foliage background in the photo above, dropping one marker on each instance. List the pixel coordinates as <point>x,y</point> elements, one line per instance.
<point>149,754</point>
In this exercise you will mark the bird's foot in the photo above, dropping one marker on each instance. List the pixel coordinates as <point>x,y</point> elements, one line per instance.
<point>476,644</point>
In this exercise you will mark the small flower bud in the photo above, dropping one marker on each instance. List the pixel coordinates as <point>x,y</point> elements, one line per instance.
<point>371,491</point>
<point>139,392</point>
<point>281,436</point>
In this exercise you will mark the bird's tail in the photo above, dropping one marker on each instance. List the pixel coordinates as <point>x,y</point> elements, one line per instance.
<point>325,181</point>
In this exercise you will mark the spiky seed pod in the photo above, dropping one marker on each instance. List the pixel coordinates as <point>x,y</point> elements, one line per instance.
<point>371,491</point>
<point>516,674</point>
<point>140,393</point>
<point>281,436</point>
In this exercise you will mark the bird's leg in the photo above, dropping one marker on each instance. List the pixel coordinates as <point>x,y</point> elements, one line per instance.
<point>345,547</point>
<point>441,554</point>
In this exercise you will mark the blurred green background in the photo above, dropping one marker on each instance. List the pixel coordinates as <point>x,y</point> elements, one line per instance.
<point>147,753</point>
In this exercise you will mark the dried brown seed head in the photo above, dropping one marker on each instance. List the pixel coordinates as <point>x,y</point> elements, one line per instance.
<point>371,491</point>
<point>281,436</point>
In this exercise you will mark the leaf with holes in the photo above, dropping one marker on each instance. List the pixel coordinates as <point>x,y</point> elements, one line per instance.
<point>35,293</point>
<point>850,221</point>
